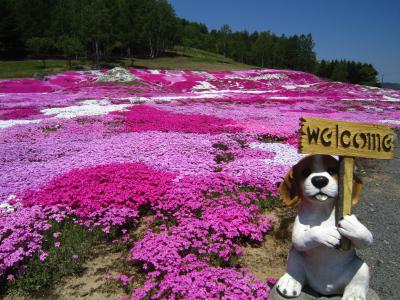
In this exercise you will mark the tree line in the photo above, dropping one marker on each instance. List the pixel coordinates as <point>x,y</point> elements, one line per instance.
<point>98,29</point>
<point>268,50</point>
<point>348,71</point>
<point>103,29</point>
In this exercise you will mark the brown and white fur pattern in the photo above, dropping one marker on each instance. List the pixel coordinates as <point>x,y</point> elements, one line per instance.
<point>314,259</point>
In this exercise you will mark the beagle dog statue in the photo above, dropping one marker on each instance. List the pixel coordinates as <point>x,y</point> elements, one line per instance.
<point>314,259</point>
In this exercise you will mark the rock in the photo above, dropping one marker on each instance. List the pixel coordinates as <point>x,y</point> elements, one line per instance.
<point>117,75</point>
<point>308,294</point>
<point>39,75</point>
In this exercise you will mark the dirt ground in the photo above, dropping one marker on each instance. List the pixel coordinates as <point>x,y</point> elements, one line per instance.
<point>379,210</point>
<point>268,259</point>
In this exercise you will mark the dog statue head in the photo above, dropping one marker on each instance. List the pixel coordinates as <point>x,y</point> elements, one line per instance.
<point>314,178</point>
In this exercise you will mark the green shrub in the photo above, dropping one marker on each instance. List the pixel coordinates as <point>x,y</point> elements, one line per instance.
<point>66,258</point>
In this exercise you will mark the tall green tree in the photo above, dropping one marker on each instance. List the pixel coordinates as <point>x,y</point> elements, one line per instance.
<point>96,26</point>
<point>71,48</point>
<point>339,72</point>
<point>224,38</point>
<point>263,49</point>
<point>41,47</point>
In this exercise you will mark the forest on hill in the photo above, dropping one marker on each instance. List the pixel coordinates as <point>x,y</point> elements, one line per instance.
<point>107,29</point>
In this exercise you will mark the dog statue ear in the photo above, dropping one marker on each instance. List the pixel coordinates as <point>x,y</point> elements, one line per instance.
<point>357,187</point>
<point>288,190</point>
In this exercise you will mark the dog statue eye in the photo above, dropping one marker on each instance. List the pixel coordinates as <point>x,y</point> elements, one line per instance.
<point>306,172</point>
<point>332,171</point>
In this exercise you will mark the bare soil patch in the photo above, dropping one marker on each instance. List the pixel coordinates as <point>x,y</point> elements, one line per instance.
<point>268,259</point>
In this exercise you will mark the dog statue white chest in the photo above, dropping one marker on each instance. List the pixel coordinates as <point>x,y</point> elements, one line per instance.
<point>314,259</point>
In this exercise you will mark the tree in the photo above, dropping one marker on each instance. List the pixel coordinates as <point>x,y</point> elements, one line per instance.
<point>263,49</point>
<point>71,47</point>
<point>41,47</point>
<point>321,70</point>
<point>368,75</point>
<point>240,45</point>
<point>96,26</point>
<point>339,72</point>
<point>159,26</point>
<point>307,58</point>
<point>224,38</point>
<point>10,36</point>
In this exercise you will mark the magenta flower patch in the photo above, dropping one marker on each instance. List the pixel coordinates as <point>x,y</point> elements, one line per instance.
<point>146,118</point>
<point>18,113</point>
<point>104,195</point>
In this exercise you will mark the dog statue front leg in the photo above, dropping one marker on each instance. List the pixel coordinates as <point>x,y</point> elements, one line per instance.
<point>291,284</point>
<point>357,288</point>
<point>305,237</point>
<point>352,228</point>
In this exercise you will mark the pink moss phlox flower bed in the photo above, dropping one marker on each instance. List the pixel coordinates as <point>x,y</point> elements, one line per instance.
<point>146,118</point>
<point>197,152</point>
<point>21,233</point>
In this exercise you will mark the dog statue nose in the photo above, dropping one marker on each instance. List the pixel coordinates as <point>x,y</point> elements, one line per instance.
<point>319,181</point>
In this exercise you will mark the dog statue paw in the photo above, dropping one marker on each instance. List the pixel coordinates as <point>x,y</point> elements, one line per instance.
<point>314,259</point>
<point>289,286</point>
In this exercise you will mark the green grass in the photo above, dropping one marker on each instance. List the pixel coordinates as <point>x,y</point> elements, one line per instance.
<point>76,245</point>
<point>27,68</point>
<point>179,58</point>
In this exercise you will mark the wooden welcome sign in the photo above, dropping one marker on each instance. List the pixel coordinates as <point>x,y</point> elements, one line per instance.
<point>348,140</point>
<point>342,138</point>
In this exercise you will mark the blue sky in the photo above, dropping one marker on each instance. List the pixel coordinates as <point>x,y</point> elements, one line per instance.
<point>367,31</point>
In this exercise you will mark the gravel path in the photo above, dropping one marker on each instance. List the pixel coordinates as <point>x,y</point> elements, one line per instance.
<point>379,210</point>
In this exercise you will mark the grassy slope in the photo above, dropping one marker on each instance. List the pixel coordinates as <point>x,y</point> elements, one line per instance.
<point>192,59</point>
<point>26,68</point>
<point>177,59</point>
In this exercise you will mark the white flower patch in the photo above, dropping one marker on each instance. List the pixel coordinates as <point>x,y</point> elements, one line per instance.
<point>117,75</point>
<point>7,207</point>
<point>292,87</point>
<point>87,108</point>
<point>289,87</point>
<point>397,122</point>
<point>204,74</point>
<point>391,99</point>
<point>369,107</point>
<point>203,85</point>
<point>198,95</point>
<point>279,97</point>
<point>227,92</point>
<point>284,154</point>
<point>269,76</point>
<point>266,76</point>
<point>136,100</point>
<point>10,123</point>
<point>91,72</point>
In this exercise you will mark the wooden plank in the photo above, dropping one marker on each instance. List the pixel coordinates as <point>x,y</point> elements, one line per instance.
<point>345,195</point>
<point>320,136</point>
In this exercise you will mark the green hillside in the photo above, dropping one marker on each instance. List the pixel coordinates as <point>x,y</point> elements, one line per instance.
<point>177,59</point>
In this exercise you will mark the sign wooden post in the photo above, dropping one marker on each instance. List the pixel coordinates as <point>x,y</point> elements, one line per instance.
<point>343,206</point>
<point>348,140</point>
